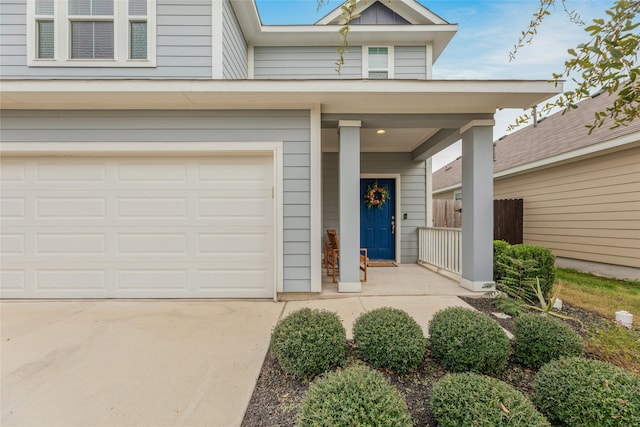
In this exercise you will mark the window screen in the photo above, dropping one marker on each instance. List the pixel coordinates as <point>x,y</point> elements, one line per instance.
<point>45,39</point>
<point>91,40</point>
<point>138,46</point>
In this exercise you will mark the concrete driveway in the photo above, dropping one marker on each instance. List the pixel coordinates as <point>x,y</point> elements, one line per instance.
<point>131,363</point>
<point>151,363</point>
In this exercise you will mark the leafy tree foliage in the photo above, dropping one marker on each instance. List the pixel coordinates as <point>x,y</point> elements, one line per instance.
<point>606,62</point>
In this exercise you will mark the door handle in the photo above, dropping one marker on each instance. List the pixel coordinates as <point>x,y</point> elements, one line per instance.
<point>393,225</point>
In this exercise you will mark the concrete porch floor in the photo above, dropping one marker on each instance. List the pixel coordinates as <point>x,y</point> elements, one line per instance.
<point>402,280</point>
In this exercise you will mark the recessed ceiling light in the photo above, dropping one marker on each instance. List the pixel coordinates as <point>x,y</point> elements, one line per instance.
<point>381,131</point>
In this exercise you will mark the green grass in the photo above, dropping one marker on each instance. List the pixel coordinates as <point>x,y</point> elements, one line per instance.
<point>600,294</point>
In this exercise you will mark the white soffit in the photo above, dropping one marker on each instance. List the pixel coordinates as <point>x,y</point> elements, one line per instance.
<point>335,96</point>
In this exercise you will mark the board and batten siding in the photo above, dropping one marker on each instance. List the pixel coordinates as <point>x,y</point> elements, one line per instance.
<point>234,46</point>
<point>413,196</point>
<point>305,62</point>
<point>291,127</point>
<point>410,62</point>
<point>586,210</point>
<point>183,47</point>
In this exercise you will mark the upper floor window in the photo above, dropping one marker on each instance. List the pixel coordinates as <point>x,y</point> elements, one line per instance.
<point>377,62</point>
<point>105,33</point>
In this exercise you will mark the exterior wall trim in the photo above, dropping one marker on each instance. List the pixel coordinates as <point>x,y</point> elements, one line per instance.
<point>398,204</point>
<point>474,123</point>
<point>315,189</point>
<point>217,47</point>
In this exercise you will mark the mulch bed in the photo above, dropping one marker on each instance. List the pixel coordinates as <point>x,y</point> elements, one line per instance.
<point>277,396</point>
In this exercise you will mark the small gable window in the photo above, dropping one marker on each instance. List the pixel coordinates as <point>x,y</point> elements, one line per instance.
<point>89,33</point>
<point>377,62</point>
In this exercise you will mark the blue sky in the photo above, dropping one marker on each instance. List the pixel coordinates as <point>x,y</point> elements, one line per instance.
<point>487,30</point>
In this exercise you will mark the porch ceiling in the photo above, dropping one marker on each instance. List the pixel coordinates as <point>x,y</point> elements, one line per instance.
<point>415,133</point>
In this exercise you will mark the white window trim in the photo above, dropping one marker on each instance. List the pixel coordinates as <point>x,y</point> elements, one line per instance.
<point>62,44</point>
<point>390,63</point>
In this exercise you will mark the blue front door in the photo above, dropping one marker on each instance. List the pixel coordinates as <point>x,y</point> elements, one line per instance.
<point>377,230</point>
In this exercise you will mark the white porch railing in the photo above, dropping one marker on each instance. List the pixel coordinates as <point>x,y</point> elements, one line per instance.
<point>440,247</point>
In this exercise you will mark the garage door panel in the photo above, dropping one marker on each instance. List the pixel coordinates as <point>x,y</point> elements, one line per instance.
<point>152,279</point>
<point>152,207</point>
<point>95,227</point>
<point>234,171</point>
<point>70,244</point>
<point>13,171</point>
<point>234,207</point>
<point>71,279</point>
<point>232,278</point>
<point>71,207</point>
<point>56,171</point>
<point>152,244</point>
<point>152,171</point>
<point>13,280</point>
<point>12,207</point>
<point>241,243</point>
<point>12,244</point>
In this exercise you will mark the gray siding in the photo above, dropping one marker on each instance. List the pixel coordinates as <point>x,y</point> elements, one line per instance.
<point>183,46</point>
<point>410,62</point>
<point>379,14</point>
<point>305,62</point>
<point>291,127</point>
<point>234,46</point>
<point>413,187</point>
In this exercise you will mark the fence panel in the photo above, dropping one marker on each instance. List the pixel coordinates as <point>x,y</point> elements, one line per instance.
<point>508,220</point>
<point>508,217</point>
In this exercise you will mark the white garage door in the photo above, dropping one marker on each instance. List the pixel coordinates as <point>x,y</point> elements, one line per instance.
<point>137,227</point>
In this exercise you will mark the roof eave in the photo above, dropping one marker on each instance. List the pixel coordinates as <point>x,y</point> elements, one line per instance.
<point>335,96</point>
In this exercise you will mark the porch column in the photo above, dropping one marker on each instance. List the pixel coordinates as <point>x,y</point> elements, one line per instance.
<point>477,205</point>
<point>349,205</point>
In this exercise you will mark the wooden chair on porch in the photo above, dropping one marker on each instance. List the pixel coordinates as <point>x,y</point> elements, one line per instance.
<point>332,256</point>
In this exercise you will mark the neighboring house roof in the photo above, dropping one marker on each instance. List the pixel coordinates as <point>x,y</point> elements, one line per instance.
<point>554,136</point>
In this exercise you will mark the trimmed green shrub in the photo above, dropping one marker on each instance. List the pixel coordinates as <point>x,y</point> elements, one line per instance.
<point>389,338</point>
<point>357,396</point>
<point>309,342</point>
<point>499,246</point>
<point>541,339</point>
<point>520,265</point>
<point>463,339</point>
<point>575,391</point>
<point>470,399</point>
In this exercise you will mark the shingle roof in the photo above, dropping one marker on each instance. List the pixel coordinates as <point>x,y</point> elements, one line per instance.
<point>554,135</point>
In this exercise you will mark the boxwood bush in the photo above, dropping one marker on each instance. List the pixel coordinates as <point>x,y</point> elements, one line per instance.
<point>470,399</point>
<point>463,339</point>
<point>520,266</point>
<point>574,391</point>
<point>389,338</point>
<point>541,339</point>
<point>357,396</point>
<point>309,342</point>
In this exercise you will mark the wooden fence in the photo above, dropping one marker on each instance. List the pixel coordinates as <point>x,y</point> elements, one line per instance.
<point>507,217</point>
<point>447,213</point>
